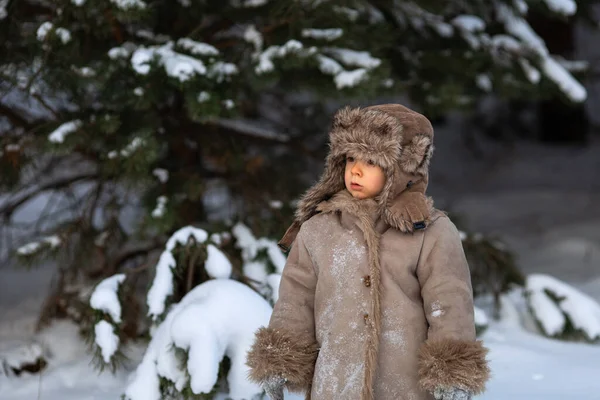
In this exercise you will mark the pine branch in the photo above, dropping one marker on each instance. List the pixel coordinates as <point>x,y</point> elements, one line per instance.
<point>262,137</point>
<point>59,183</point>
<point>15,118</point>
<point>135,251</point>
<point>44,104</point>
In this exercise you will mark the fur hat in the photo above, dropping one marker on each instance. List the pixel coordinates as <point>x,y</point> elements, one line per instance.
<point>397,139</point>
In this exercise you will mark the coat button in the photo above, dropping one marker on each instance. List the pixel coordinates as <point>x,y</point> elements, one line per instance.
<point>366,280</point>
<point>366,318</point>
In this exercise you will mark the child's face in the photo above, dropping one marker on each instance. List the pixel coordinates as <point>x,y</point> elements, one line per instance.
<point>363,178</point>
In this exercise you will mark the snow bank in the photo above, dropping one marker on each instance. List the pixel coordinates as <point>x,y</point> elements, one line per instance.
<point>555,304</point>
<point>217,318</point>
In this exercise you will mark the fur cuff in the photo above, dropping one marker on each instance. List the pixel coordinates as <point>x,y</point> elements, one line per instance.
<point>453,363</point>
<point>277,352</point>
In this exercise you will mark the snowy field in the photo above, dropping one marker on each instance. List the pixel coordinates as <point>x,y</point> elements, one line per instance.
<point>524,365</point>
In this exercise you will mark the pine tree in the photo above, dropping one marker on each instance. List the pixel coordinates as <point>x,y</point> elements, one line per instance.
<point>127,119</point>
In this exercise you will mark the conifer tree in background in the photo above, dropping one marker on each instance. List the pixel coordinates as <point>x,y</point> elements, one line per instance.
<point>123,120</point>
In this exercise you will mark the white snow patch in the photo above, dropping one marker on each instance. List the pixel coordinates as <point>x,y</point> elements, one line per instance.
<point>329,65</point>
<point>162,285</point>
<point>14,354</point>
<point>119,52</point>
<point>29,249</point>
<point>265,59</point>
<point>63,34</point>
<point>519,27</point>
<point>521,6</point>
<point>533,75</point>
<point>565,81</point>
<point>469,23</point>
<point>203,97</point>
<point>256,271</point>
<point>159,210</point>
<point>276,204</point>
<point>219,238</point>
<point>179,66</point>
<point>105,298</point>
<point>161,174</point>
<point>484,82</point>
<point>481,318</point>
<point>273,280</point>
<point>129,4</point>
<point>33,247</point>
<point>183,235</point>
<point>436,309</point>
<point>217,264</point>
<point>105,338</point>
<point>85,72</point>
<point>252,3</point>
<point>350,78</point>
<point>78,3</point>
<point>581,310</point>
<point>220,71</point>
<point>564,7</point>
<point>252,35</point>
<point>216,318</point>
<point>43,30</point>
<point>354,58</point>
<point>197,48</point>
<point>59,134</point>
<point>135,144</point>
<point>323,34</point>
<point>228,104</point>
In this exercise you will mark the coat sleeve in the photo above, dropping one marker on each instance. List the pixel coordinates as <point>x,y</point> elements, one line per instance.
<point>287,348</point>
<point>451,356</point>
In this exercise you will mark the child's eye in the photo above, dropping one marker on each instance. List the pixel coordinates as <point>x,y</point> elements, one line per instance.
<point>370,162</point>
<point>349,159</point>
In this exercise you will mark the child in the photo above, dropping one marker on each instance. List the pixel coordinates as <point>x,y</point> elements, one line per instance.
<point>375,300</point>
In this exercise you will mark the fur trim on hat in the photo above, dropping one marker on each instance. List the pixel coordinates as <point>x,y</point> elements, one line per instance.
<point>451,363</point>
<point>278,352</point>
<point>377,135</point>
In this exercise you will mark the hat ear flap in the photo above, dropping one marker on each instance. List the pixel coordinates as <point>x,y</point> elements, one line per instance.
<point>416,155</point>
<point>331,182</point>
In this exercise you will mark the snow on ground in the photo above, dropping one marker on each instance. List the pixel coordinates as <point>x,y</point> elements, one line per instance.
<point>525,366</point>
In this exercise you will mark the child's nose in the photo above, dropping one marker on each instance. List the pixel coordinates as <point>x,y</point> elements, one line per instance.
<point>357,168</point>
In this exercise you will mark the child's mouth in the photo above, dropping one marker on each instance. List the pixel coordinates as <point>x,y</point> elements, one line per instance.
<point>355,186</point>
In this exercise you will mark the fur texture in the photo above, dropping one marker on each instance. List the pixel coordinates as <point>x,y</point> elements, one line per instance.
<point>397,139</point>
<point>453,363</point>
<point>277,352</point>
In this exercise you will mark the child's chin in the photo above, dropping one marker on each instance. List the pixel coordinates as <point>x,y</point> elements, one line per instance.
<point>358,195</point>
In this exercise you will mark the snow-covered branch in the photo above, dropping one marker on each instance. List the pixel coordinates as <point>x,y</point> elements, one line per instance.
<point>217,318</point>
<point>217,266</point>
<point>559,307</point>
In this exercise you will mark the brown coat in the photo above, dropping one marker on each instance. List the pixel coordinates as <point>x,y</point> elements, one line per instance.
<point>375,300</point>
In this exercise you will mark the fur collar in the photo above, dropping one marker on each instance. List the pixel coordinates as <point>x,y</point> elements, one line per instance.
<point>343,201</point>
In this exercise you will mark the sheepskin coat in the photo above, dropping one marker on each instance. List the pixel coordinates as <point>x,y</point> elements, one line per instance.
<point>375,300</point>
